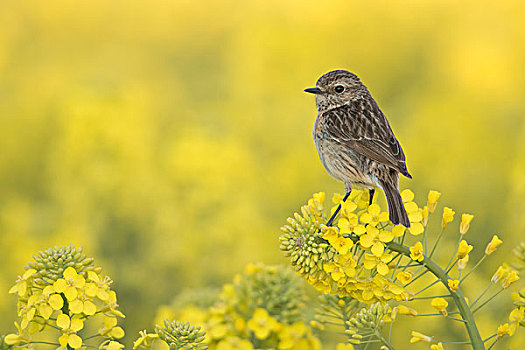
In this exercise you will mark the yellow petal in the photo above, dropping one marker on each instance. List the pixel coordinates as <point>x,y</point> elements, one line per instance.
<point>77,324</point>
<point>63,339</point>
<point>48,290</point>
<point>382,268</point>
<point>89,308</point>
<point>117,333</point>
<point>63,321</point>
<point>386,236</point>
<point>45,310</point>
<point>79,281</point>
<point>74,341</point>
<point>60,285</point>
<point>366,240</point>
<point>76,306</point>
<point>69,273</point>
<point>374,209</point>
<point>91,289</point>
<point>56,301</point>
<point>71,293</point>
<point>378,248</point>
<point>407,195</point>
<point>416,228</point>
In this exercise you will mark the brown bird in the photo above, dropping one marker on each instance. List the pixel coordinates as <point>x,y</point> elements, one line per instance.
<point>355,142</point>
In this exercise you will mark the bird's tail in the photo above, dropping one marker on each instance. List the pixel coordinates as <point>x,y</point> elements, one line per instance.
<point>396,210</point>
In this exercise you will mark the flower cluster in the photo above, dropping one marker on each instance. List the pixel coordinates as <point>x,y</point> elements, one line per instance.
<point>63,289</point>
<point>262,309</point>
<point>365,258</point>
<point>352,258</point>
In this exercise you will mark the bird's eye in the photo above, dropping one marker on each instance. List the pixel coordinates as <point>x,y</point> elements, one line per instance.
<point>339,89</point>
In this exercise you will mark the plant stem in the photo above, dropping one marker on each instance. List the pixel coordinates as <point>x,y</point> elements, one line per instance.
<point>436,244</point>
<point>486,301</point>
<point>459,299</point>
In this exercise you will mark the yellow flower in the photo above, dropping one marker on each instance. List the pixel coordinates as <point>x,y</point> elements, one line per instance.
<point>289,335</point>
<point>403,310</point>
<point>374,215</point>
<point>416,252</point>
<point>503,330</point>
<point>334,270</point>
<point>21,285</point>
<point>145,339</point>
<point>465,223</point>
<point>500,273</point>
<point>375,240</point>
<point>433,197</point>
<point>493,245</point>
<point>110,329</point>
<point>510,278</point>
<point>70,284</point>
<point>515,317</point>
<point>404,277</point>
<point>415,215</point>
<point>453,285</point>
<point>262,323</point>
<point>440,305</point>
<point>437,346</point>
<point>344,346</point>
<point>330,234</point>
<point>342,245</point>
<point>70,327</point>
<point>95,287</point>
<point>462,263</point>
<point>380,263</point>
<point>348,224</point>
<point>448,216</point>
<point>463,249</point>
<point>417,337</point>
<point>347,209</point>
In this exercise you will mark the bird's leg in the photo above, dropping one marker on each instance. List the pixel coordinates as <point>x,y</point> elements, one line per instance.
<point>371,192</point>
<point>348,190</point>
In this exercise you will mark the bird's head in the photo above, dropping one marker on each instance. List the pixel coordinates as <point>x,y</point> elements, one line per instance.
<point>337,88</point>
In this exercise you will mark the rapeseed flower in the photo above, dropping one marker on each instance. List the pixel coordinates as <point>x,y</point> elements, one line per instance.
<point>448,217</point>
<point>262,324</point>
<point>375,240</point>
<point>417,337</point>
<point>463,249</point>
<point>465,223</point>
<point>70,327</point>
<point>453,285</point>
<point>416,252</point>
<point>440,305</point>
<point>433,197</point>
<point>493,245</point>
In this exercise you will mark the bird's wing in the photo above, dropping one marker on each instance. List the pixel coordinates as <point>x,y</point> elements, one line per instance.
<point>362,127</point>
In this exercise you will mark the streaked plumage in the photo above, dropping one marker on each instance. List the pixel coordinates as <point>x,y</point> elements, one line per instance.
<point>355,141</point>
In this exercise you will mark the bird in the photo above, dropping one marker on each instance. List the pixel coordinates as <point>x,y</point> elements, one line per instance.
<point>355,142</point>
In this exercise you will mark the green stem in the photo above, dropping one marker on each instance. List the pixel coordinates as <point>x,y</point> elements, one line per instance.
<point>384,341</point>
<point>459,299</point>
<point>486,301</point>
<point>436,244</point>
<point>481,295</point>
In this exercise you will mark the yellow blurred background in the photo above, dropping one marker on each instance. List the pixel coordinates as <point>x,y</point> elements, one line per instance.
<point>171,139</point>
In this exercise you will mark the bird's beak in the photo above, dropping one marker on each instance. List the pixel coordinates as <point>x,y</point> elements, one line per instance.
<point>313,90</point>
